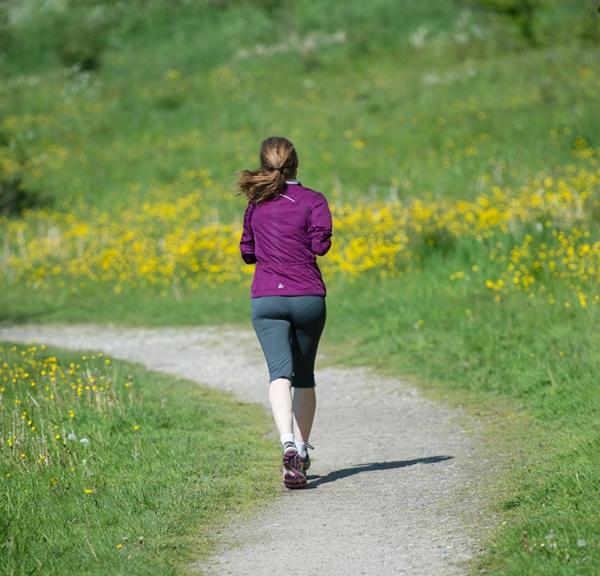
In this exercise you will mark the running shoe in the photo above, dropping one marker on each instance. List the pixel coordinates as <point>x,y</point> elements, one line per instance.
<point>305,462</point>
<point>293,477</point>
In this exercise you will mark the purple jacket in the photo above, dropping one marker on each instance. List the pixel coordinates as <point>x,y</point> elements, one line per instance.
<point>283,236</point>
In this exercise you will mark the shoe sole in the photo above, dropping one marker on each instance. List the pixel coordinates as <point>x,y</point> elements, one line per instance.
<point>293,477</point>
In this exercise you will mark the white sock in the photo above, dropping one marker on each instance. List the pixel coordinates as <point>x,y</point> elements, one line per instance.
<point>288,437</point>
<point>301,447</point>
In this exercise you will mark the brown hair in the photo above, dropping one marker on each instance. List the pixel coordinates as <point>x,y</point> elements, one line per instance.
<point>278,163</point>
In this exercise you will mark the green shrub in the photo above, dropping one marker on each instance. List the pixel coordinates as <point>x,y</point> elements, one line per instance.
<point>73,31</point>
<point>14,195</point>
<point>522,13</point>
<point>589,28</point>
<point>81,35</point>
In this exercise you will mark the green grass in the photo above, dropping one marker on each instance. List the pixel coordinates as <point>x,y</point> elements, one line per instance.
<point>169,482</point>
<point>434,120</point>
<point>228,303</point>
<point>448,119</point>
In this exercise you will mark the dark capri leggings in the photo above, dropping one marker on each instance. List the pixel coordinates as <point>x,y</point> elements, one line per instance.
<point>289,329</point>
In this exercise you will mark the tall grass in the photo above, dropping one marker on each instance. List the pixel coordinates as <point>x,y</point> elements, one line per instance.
<point>108,468</point>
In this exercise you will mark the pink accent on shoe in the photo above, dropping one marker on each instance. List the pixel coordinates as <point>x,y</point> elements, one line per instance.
<point>292,475</point>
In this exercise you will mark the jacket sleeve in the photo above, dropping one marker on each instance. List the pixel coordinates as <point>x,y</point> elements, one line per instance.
<point>247,239</point>
<point>320,228</point>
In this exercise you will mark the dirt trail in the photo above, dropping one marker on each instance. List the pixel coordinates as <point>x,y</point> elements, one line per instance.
<point>395,486</point>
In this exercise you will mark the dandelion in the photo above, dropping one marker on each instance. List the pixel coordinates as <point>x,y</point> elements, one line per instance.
<point>177,242</point>
<point>21,366</point>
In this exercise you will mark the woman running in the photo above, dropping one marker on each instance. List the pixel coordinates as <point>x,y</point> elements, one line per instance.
<point>286,225</point>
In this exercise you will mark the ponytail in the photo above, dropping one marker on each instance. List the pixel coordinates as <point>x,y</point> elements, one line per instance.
<point>279,162</point>
<point>262,184</point>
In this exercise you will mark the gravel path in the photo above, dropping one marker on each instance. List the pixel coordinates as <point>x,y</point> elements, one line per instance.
<point>396,482</point>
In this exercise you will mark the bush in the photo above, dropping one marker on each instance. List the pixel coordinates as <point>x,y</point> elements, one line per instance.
<point>521,12</point>
<point>589,28</point>
<point>14,196</point>
<point>81,35</point>
<point>75,31</point>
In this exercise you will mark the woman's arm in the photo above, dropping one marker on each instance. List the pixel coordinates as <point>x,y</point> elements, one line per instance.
<point>247,239</point>
<point>320,228</point>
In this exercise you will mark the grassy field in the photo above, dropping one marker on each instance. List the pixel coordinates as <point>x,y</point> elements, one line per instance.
<point>434,116</point>
<point>461,164</point>
<point>110,469</point>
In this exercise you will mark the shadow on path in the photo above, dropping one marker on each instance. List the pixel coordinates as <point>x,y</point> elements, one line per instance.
<point>315,481</point>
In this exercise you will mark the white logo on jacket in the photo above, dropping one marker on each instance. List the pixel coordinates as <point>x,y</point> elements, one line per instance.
<point>280,285</point>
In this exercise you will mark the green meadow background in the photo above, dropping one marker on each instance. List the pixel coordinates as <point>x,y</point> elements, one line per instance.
<point>458,145</point>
